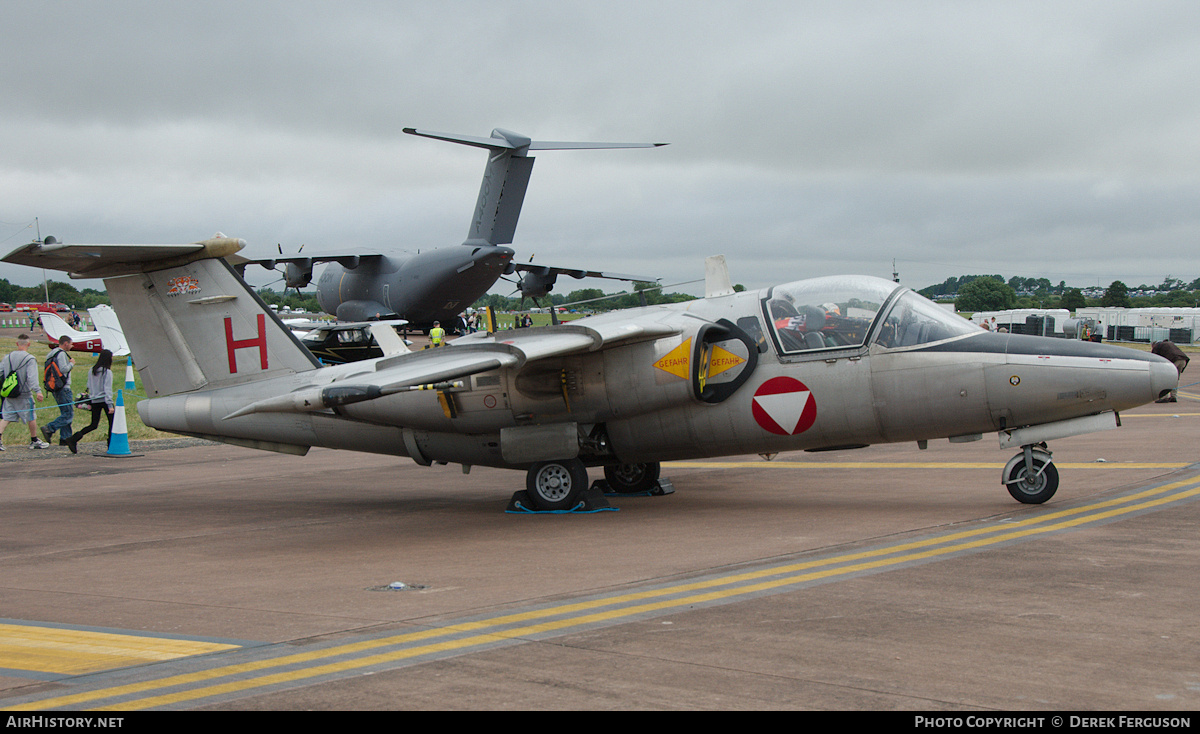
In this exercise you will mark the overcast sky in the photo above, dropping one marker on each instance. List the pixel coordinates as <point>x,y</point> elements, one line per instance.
<point>1048,139</point>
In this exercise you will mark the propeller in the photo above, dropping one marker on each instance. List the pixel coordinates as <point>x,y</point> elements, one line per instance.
<point>296,274</point>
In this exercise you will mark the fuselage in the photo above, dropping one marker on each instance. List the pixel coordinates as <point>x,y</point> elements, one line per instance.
<point>817,364</point>
<point>422,287</point>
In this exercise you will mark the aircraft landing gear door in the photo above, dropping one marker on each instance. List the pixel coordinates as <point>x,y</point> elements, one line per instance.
<point>724,358</point>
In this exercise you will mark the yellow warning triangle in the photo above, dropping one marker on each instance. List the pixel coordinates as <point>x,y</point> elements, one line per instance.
<point>722,360</point>
<point>677,360</point>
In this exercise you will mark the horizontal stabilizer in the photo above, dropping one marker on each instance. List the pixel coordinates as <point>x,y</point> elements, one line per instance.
<point>513,141</point>
<point>106,261</point>
<point>506,178</point>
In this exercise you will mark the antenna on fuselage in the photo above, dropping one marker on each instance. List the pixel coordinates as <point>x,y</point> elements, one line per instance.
<point>506,178</point>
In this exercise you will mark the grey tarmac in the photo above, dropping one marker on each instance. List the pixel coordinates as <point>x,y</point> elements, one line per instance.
<point>807,582</point>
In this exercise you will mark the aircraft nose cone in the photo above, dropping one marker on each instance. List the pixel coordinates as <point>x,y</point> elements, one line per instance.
<point>1163,377</point>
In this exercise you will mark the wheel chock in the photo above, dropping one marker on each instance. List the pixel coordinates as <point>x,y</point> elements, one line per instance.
<point>661,487</point>
<point>592,500</point>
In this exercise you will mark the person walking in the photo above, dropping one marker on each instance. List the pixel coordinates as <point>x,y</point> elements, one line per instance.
<point>100,390</point>
<point>18,406</point>
<point>58,381</point>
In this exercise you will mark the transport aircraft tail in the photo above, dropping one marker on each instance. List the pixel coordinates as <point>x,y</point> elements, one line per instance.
<point>506,178</point>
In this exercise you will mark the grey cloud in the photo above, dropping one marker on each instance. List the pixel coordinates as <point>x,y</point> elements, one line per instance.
<point>1052,139</point>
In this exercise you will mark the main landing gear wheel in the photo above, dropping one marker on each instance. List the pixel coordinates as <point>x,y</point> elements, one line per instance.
<point>632,478</point>
<point>556,485</point>
<point>1032,488</point>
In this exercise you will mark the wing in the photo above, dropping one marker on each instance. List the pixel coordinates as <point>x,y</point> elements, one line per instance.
<point>297,270</point>
<point>346,260</point>
<point>467,356</point>
<point>579,273</point>
<point>539,280</point>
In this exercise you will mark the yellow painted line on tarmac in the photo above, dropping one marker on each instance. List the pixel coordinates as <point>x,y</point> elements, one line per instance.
<point>910,465</point>
<point>622,606</point>
<point>1156,415</point>
<point>75,652</point>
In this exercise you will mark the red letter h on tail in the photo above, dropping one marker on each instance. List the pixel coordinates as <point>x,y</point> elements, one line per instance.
<point>231,345</point>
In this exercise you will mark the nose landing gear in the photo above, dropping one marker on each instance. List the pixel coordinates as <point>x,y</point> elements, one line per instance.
<point>1031,476</point>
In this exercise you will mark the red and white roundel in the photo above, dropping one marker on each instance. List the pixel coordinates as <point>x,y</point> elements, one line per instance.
<point>784,405</point>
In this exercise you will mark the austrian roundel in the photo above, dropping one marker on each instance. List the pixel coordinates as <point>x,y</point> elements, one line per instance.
<point>785,406</point>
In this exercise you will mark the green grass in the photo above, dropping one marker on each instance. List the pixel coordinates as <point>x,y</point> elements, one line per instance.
<point>17,434</point>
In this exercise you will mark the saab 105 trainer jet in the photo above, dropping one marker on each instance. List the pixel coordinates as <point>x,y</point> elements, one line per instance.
<point>832,362</point>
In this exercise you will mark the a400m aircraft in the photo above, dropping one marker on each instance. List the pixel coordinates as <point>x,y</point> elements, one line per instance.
<point>438,284</point>
<point>824,363</point>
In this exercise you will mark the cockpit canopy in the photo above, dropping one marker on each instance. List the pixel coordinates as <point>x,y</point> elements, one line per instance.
<point>842,312</point>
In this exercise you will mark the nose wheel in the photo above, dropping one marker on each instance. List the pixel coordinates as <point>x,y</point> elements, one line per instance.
<point>1031,476</point>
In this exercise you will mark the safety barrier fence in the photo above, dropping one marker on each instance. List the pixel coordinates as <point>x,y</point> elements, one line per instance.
<point>9,321</point>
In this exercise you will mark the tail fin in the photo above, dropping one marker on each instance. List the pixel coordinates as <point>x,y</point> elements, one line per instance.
<point>506,178</point>
<point>716,277</point>
<point>200,326</point>
<point>191,321</point>
<point>109,326</point>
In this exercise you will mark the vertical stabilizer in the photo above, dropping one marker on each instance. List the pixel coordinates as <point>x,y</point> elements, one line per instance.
<point>386,338</point>
<point>501,196</point>
<point>112,336</point>
<point>716,277</point>
<point>199,326</point>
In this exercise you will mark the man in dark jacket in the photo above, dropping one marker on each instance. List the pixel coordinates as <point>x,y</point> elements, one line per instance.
<point>62,393</point>
<point>1169,351</point>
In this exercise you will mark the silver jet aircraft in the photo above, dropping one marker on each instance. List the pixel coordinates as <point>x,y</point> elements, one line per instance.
<point>824,363</point>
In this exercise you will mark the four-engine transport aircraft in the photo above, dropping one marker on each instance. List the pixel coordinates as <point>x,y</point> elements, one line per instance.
<point>438,284</point>
<point>824,363</point>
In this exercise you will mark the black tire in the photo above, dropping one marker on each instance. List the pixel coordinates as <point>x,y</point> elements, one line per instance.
<point>556,485</point>
<point>1036,489</point>
<point>632,478</point>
